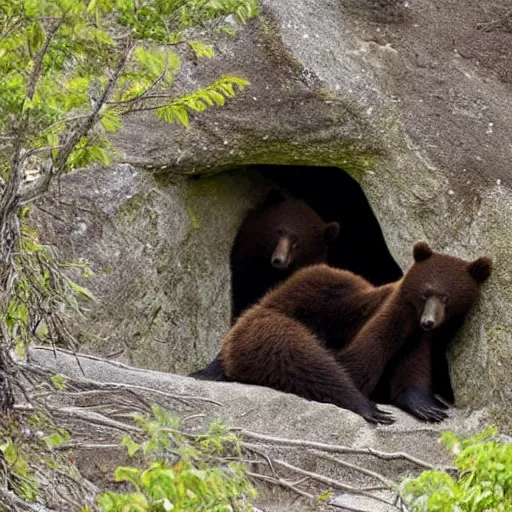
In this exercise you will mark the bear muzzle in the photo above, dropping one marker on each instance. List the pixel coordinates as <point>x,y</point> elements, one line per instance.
<point>281,257</point>
<point>433,313</point>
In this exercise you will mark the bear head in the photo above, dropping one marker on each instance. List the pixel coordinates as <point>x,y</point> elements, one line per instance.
<point>293,235</point>
<point>441,286</point>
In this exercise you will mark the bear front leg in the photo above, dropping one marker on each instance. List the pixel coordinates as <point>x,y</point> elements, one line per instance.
<point>411,387</point>
<point>368,355</point>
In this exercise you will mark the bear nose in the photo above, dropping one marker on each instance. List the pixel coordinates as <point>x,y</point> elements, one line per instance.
<point>278,261</point>
<point>427,324</point>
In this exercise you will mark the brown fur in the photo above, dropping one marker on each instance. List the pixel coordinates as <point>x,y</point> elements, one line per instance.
<point>419,370</point>
<point>276,239</point>
<point>329,335</point>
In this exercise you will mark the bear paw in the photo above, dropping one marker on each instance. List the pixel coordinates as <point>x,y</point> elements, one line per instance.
<point>423,406</point>
<point>373,414</point>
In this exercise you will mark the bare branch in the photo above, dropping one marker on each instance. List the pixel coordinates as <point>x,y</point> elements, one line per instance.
<point>388,483</point>
<point>43,149</point>
<point>330,481</point>
<point>35,74</point>
<point>340,449</point>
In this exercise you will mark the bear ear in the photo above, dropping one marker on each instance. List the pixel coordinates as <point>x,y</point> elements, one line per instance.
<point>480,269</point>
<point>274,196</point>
<point>331,232</point>
<point>421,251</point>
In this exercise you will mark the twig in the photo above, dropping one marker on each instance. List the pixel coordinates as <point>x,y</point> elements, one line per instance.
<point>94,418</point>
<point>339,448</point>
<point>292,487</point>
<point>330,481</point>
<point>12,502</point>
<point>125,387</point>
<point>282,483</point>
<point>387,483</point>
<point>86,446</point>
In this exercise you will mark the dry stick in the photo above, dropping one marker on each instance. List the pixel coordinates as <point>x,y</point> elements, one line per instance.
<point>109,386</point>
<point>338,448</point>
<point>92,392</point>
<point>86,446</point>
<point>300,492</point>
<point>387,483</point>
<point>95,418</point>
<point>331,482</point>
<point>279,481</point>
<point>10,500</point>
<point>267,458</point>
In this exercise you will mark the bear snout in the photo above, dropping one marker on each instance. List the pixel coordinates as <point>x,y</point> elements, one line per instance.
<point>281,256</point>
<point>433,313</point>
<point>427,324</point>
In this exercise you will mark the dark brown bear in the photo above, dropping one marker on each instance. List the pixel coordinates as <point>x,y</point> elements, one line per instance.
<point>419,370</point>
<point>281,342</point>
<point>276,239</point>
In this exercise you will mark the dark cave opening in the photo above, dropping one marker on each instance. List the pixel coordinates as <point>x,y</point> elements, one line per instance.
<point>336,196</point>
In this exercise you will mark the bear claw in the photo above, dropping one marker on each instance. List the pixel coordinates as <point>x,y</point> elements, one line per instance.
<point>377,416</point>
<point>422,406</point>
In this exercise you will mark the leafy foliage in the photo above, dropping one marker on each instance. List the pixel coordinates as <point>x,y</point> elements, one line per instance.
<point>185,472</point>
<point>483,483</point>
<point>27,446</point>
<point>69,71</point>
<point>56,56</point>
<point>199,101</point>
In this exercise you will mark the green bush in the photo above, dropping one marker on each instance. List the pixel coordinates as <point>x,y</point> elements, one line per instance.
<point>482,481</point>
<point>184,472</point>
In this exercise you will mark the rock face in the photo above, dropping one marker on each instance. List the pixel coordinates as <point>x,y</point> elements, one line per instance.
<point>414,99</point>
<point>158,250</point>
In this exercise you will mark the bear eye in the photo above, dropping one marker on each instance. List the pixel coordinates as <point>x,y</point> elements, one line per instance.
<point>280,232</point>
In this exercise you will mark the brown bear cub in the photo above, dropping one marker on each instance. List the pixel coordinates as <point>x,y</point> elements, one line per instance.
<point>276,239</point>
<point>281,341</point>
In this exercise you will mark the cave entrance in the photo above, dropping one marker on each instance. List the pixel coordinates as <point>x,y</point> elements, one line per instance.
<point>336,196</point>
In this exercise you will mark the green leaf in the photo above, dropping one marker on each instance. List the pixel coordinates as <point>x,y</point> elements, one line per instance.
<point>9,451</point>
<point>110,121</point>
<point>36,36</point>
<point>200,49</point>
<point>154,60</point>
<point>59,381</point>
<point>325,496</point>
<point>131,445</point>
<point>98,154</point>
<point>128,474</point>
<point>80,290</point>
<point>31,8</point>
<point>217,97</point>
<point>56,438</point>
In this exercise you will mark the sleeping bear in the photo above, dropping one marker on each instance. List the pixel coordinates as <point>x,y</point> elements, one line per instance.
<point>329,335</point>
